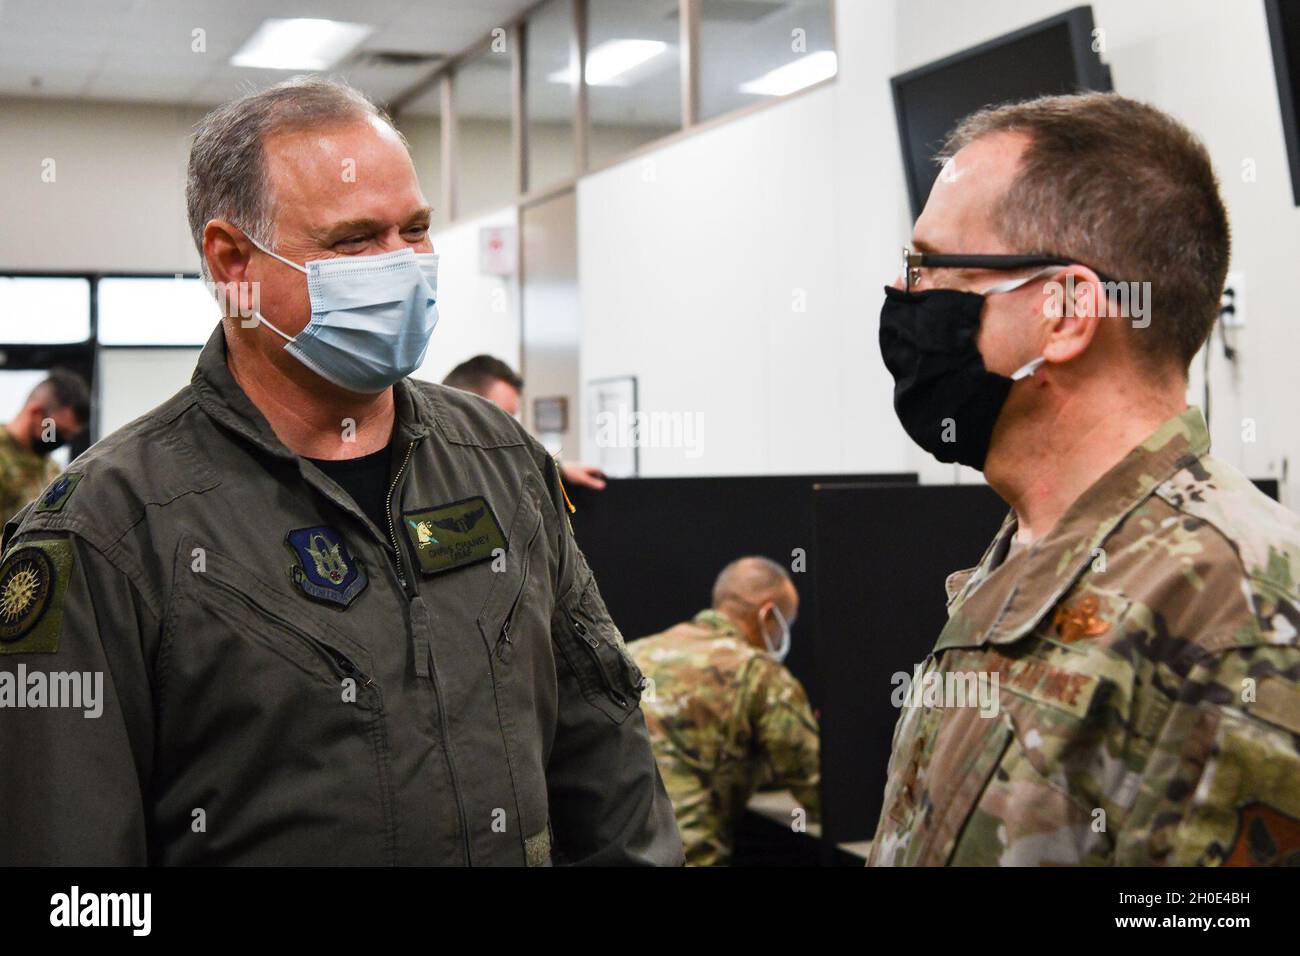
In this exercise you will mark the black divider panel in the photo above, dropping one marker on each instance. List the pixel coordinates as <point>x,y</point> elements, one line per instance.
<point>656,545</point>
<point>883,555</point>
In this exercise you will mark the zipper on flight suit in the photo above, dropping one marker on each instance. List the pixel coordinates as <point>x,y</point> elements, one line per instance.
<point>504,644</point>
<point>392,528</point>
<point>593,642</point>
<point>412,592</point>
<point>340,660</point>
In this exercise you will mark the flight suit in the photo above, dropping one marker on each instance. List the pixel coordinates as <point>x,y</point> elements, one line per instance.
<point>724,719</point>
<point>287,683</point>
<point>23,474</point>
<point>1147,666</point>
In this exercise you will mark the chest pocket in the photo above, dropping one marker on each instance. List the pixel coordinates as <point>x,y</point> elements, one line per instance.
<point>594,650</point>
<point>273,725</point>
<point>988,785</point>
<point>943,758</point>
<point>515,612</point>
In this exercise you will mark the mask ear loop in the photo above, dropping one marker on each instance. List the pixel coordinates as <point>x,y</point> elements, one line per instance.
<point>1033,365</point>
<point>288,262</point>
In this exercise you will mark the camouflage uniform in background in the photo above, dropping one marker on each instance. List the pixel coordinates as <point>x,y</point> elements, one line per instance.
<point>1148,667</point>
<point>23,475</point>
<point>724,719</point>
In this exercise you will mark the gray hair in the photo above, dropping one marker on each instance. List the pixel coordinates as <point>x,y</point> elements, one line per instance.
<point>227,169</point>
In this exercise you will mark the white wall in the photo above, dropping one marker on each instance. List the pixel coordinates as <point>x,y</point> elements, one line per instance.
<point>133,381</point>
<point>476,312</point>
<point>737,274</point>
<point>117,201</point>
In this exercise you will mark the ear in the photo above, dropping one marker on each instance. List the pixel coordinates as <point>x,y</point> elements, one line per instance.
<point>227,251</point>
<point>1072,312</point>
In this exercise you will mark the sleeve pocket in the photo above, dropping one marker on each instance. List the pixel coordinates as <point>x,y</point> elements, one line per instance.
<point>593,648</point>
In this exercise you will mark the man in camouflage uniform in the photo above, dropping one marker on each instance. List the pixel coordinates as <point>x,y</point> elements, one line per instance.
<point>55,412</point>
<point>1136,615</point>
<point>725,716</point>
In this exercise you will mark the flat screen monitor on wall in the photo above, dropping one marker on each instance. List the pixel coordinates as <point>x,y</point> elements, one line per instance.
<point>1284,32</point>
<point>1052,56</point>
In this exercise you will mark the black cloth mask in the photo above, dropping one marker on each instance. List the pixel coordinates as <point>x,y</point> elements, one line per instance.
<point>947,401</point>
<point>45,448</point>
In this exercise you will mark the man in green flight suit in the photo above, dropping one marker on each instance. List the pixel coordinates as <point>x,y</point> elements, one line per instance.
<point>340,614</point>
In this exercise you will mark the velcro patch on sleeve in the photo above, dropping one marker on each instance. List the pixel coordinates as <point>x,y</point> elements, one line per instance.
<point>33,582</point>
<point>58,493</point>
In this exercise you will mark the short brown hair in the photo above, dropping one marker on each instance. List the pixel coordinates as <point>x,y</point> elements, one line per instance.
<point>1131,192</point>
<point>478,373</point>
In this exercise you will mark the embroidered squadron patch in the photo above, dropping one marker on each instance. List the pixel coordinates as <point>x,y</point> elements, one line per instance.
<point>58,493</point>
<point>325,570</point>
<point>1265,837</point>
<point>454,535</point>
<point>33,580</point>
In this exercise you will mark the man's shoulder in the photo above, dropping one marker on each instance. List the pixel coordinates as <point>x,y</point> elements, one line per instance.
<point>1221,502</point>
<point>468,419</point>
<point>1244,547</point>
<point>152,460</point>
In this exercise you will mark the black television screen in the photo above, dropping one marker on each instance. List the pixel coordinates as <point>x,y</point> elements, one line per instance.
<point>1284,32</point>
<point>1055,55</point>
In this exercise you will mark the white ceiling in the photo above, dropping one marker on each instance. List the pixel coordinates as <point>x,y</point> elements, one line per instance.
<point>141,50</point>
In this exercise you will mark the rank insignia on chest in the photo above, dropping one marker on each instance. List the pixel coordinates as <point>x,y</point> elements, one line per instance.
<point>58,493</point>
<point>1080,621</point>
<point>454,535</point>
<point>325,570</point>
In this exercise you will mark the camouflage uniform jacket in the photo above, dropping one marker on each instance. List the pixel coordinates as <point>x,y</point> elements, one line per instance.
<point>724,719</point>
<point>23,475</point>
<point>1147,661</point>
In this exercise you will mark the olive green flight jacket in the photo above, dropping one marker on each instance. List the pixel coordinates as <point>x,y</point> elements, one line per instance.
<point>283,682</point>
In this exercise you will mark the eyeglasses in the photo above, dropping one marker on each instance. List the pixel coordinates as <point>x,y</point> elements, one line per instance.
<point>914,262</point>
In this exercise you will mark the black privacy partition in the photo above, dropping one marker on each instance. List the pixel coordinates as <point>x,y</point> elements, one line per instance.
<point>883,553</point>
<point>656,545</point>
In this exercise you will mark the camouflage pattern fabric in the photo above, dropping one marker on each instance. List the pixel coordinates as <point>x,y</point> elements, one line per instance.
<point>23,475</point>
<point>1148,669</point>
<point>725,718</point>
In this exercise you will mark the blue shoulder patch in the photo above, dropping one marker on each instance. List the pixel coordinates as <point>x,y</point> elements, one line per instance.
<point>325,570</point>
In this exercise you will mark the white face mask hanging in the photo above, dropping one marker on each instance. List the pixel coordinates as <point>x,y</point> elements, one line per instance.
<point>782,648</point>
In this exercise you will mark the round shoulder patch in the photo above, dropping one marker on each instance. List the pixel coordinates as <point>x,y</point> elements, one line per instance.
<point>26,583</point>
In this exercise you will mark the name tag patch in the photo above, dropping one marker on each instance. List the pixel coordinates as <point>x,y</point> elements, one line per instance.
<point>454,535</point>
<point>1045,683</point>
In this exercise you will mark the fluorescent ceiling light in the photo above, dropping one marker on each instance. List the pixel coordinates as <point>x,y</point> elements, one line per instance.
<point>300,44</point>
<point>794,76</point>
<point>612,59</point>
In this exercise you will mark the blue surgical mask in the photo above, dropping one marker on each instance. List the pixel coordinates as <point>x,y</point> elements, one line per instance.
<point>371,317</point>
